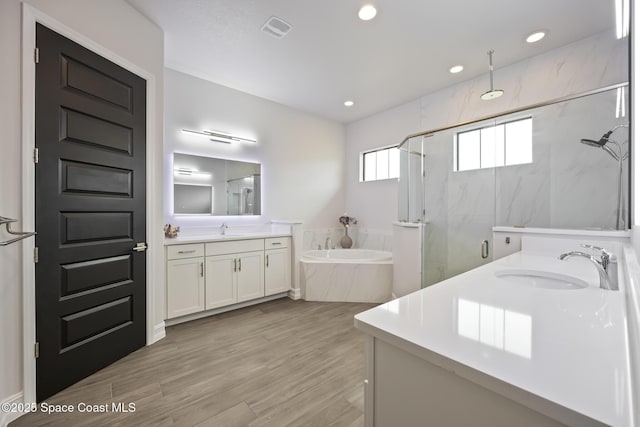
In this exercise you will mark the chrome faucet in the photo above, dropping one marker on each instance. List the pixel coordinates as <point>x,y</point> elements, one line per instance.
<point>223,228</point>
<point>328,244</point>
<point>607,265</point>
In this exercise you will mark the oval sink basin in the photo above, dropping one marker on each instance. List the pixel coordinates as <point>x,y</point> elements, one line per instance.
<point>542,279</point>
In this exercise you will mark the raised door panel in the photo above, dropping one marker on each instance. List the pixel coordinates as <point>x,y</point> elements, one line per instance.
<point>90,200</point>
<point>277,273</point>
<point>185,286</point>
<point>220,281</point>
<point>250,276</point>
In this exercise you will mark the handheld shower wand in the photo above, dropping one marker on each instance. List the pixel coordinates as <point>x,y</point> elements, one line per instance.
<point>620,157</point>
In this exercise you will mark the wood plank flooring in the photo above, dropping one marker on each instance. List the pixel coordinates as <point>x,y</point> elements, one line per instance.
<point>281,363</point>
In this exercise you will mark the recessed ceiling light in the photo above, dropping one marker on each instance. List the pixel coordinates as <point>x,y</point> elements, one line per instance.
<point>367,12</point>
<point>535,37</point>
<point>456,69</point>
<point>348,103</point>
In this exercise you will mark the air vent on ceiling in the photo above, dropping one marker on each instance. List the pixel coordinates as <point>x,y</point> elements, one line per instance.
<point>276,27</point>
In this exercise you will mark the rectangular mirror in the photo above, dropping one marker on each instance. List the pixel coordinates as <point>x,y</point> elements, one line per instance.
<point>212,186</point>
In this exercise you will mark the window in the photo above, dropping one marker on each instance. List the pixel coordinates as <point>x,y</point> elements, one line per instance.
<point>505,144</point>
<point>383,163</point>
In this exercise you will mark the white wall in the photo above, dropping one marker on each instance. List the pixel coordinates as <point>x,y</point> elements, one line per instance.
<point>374,203</point>
<point>588,64</point>
<point>117,27</point>
<point>302,156</point>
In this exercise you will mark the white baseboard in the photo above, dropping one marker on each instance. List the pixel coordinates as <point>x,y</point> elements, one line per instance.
<point>201,314</point>
<point>7,417</point>
<point>294,294</point>
<point>158,333</point>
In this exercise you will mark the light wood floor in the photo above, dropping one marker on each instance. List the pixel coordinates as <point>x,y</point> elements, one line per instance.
<point>281,363</point>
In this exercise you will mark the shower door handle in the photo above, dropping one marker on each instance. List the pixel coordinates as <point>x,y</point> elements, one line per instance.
<point>484,249</point>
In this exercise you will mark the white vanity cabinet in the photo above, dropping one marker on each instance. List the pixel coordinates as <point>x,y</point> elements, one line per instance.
<point>220,284</point>
<point>220,275</point>
<point>277,276</point>
<point>235,272</point>
<point>185,280</point>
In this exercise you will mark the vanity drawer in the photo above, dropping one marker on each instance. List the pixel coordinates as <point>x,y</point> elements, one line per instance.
<point>277,242</point>
<point>185,251</point>
<point>234,246</point>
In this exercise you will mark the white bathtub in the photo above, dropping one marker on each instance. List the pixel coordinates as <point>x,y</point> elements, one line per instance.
<point>349,275</point>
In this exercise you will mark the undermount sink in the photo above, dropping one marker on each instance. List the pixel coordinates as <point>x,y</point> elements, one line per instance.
<point>542,279</point>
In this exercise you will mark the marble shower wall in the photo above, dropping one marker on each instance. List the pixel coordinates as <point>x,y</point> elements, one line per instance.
<point>460,210</point>
<point>568,185</point>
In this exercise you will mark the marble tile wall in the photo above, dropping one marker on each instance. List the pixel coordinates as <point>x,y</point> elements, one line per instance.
<point>568,185</point>
<point>347,282</point>
<point>362,237</point>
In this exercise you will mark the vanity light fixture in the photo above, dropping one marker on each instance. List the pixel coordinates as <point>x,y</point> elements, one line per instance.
<point>536,36</point>
<point>456,69</point>
<point>190,172</point>
<point>491,93</point>
<point>367,12</point>
<point>218,136</point>
<point>348,103</point>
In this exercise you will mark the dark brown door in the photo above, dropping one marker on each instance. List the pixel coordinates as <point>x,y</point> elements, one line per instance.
<point>90,212</point>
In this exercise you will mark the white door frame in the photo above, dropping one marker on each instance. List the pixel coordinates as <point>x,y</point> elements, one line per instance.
<point>155,332</point>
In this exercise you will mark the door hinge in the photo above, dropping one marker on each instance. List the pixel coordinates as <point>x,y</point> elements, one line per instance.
<point>36,255</point>
<point>36,155</point>
<point>36,55</point>
<point>36,350</point>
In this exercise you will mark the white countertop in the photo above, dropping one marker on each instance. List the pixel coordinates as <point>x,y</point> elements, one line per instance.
<point>206,238</point>
<point>560,352</point>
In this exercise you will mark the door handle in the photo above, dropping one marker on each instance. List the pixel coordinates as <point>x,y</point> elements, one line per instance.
<point>239,264</point>
<point>202,269</point>
<point>140,247</point>
<point>235,265</point>
<point>484,249</point>
<point>267,260</point>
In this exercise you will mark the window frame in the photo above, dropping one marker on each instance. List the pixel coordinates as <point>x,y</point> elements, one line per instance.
<point>504,124</point>
<point>376,150</point>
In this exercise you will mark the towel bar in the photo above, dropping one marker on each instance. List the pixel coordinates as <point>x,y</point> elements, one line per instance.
<point>21,234</point>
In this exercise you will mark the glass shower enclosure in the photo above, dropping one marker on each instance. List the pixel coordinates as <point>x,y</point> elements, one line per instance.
<point>561,164</point>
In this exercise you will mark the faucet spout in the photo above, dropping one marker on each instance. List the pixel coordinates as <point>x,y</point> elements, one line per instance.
<point>328,243</point>
<point>606,266</point>
<point>223,228</point>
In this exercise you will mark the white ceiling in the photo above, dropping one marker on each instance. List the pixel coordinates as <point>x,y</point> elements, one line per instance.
<point>331,56</point>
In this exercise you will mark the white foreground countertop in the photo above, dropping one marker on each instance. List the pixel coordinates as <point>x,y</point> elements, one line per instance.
<point>564,353</point>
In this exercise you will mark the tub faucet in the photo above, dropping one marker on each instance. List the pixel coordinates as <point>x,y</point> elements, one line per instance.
<point>328,244</point>
<point>607,265</point>
<point>223,228</point>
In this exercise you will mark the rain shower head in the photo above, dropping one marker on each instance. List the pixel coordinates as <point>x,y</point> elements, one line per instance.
<point>491,93</point>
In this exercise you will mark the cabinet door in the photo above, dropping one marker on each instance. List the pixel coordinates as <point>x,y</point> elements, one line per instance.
<point>277,272</point>
<point>220,282</point>
<point>185,286</point>
<point>250,275</point>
